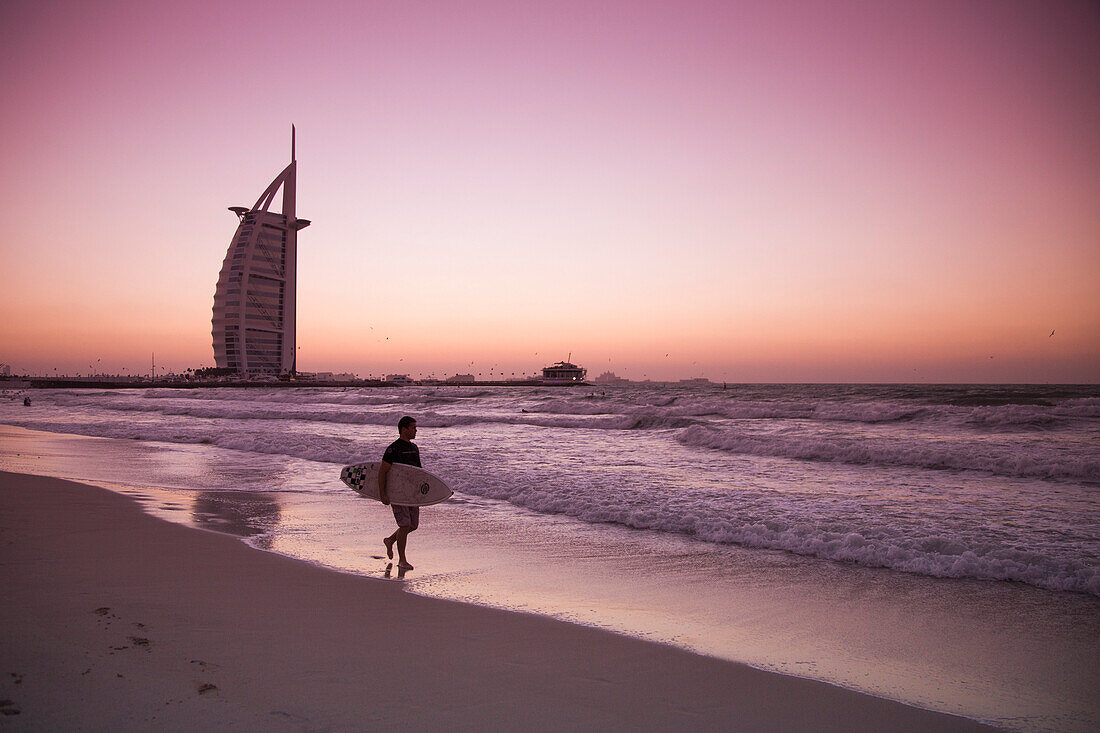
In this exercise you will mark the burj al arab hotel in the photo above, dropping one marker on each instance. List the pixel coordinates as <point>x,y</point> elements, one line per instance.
<point>254,301</point>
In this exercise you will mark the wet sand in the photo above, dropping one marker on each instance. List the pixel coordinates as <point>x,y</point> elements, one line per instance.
<point>115,619</point>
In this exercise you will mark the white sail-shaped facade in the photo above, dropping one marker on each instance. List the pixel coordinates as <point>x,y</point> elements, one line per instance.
<point>254,300</point>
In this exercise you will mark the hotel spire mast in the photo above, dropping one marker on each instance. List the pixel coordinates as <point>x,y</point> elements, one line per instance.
<point>289,360</point>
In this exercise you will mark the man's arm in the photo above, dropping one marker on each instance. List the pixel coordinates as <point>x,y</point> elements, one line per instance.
<point>383,472</point>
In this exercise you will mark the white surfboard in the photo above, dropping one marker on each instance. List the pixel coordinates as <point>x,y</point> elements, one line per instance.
<point>405,485</point>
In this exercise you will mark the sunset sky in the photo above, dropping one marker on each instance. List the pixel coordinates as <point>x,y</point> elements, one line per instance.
<point>747,191</point>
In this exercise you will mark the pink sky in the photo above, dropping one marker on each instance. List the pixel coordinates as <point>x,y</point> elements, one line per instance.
<point>761,191</point>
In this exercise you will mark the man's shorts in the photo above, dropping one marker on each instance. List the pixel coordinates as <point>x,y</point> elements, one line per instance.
<point>406,516</point>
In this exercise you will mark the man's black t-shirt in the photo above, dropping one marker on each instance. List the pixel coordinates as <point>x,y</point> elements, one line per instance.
<point>403,451</point>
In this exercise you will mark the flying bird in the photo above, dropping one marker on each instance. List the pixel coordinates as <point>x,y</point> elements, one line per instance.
<point>1052,332</point>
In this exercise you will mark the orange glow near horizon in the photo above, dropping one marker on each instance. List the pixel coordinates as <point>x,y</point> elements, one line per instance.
<point>746,192</point>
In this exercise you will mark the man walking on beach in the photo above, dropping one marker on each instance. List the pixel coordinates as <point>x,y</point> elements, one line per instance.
<point>402,450</point>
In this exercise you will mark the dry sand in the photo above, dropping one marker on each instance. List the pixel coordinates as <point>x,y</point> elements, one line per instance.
<point>114,620</point>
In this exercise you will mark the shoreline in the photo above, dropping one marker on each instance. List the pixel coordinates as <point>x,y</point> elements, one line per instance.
<point>287,643</point>
<point>61,383</point>
<point>1010,655</point>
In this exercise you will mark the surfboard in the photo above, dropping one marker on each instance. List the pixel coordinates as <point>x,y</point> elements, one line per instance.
<point>405,485</point>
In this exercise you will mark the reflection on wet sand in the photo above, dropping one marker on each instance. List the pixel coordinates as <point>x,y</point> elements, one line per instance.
<point>400,571</point>
<point>241,513</point>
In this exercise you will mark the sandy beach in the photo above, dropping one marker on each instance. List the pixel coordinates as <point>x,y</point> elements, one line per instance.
<point>114,619</point>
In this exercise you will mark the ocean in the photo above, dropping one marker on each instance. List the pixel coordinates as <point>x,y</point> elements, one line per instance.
<point>934,544</point>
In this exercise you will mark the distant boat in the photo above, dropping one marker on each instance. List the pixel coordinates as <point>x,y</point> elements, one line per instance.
<point>563,372</point>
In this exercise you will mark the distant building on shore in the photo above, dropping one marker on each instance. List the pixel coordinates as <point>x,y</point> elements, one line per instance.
<point>461,379</point>
<point>610,378</point>
<point>327,376</point>
<point>255,298</point>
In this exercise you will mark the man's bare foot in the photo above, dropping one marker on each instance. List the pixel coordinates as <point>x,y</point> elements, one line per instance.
<point>405,565</point>
<point>388,542</point>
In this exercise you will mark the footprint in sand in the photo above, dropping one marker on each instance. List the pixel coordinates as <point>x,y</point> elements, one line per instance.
<point>206,666</point>
<point>106,615</point>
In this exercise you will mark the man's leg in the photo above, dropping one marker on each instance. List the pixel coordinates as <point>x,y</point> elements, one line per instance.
<point>397,537</point>
<point>407,520</point>
<point>401,535</point>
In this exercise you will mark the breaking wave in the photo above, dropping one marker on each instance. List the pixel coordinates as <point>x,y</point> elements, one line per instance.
<point>1079,463</point>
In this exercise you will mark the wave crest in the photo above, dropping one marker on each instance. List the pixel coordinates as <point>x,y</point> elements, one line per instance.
<point>1003,460</point>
